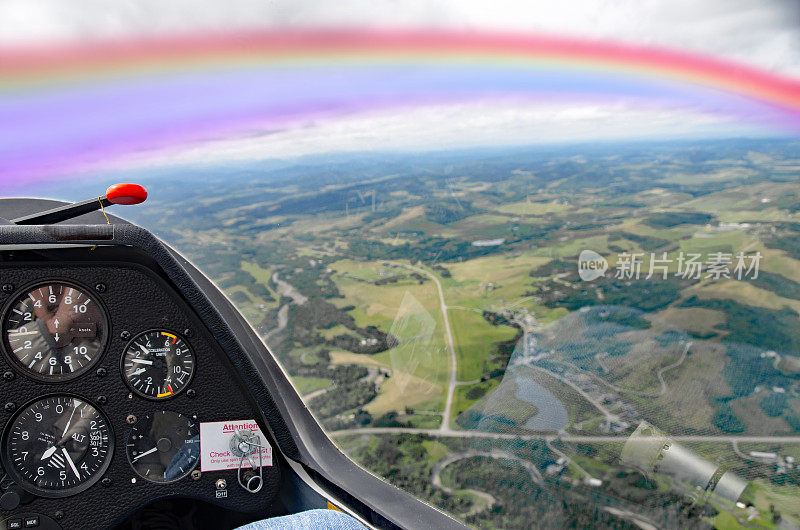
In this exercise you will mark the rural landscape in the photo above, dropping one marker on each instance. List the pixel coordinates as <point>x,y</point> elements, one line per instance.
<point>599,334</point>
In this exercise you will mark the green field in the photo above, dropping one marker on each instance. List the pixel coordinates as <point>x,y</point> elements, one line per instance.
<point>306,385</point>
<point>475,339</point>
<point>356,310</point>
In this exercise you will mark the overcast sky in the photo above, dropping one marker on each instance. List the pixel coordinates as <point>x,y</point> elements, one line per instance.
<point>765,33</point>
<point>463,125</point>
<point>761,33</point>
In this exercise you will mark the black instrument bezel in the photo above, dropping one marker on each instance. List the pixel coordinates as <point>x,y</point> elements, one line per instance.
<point>52,379</point>
<point>128,454</point>
<point>68,492</point>
<point>143,395</point>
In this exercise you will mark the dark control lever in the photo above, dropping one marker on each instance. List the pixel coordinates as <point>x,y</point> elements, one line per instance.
<point>117,194</point>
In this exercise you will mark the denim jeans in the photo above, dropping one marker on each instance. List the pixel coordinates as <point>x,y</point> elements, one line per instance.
<point>309,520</point>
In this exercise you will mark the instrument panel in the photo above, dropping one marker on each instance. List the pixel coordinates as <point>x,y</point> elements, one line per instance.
<point>107,378</point>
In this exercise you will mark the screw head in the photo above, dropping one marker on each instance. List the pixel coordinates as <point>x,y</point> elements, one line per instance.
<point>106,482</point>
<point>8,288</point>
<point>187,332</point>
<point>8,376</point>
<point>191,393</point>
<point>131,419</point>
<point>10,407</point>
<point>125,335</point>
<point>196,474</point>
<point>101,372</point>
<point>101,400</point>
<point>100,287</point>
<point>58,514</point>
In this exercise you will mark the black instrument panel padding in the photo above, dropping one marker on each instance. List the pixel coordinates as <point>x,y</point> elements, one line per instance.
<point>136,300</point>
<point>285,415</point>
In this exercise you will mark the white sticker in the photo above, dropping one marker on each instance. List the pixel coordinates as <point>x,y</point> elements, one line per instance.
<point>215,448</point>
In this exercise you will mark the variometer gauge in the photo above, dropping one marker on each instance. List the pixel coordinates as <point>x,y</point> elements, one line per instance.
<point>164,446</point>
<point>158,364</point>
<point>55,331</point>
<point>57,446</point>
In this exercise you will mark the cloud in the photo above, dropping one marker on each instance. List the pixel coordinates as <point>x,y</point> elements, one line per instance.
<point>477,124</point>
<point>763,33</point>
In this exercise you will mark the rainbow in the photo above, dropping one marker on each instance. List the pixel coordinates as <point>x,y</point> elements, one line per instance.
<point>64,110</point>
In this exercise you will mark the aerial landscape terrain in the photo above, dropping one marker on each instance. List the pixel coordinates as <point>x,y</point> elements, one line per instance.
<point>596,334</point>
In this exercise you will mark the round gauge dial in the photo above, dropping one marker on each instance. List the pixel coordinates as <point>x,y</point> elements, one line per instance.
<point>57,446</point>
<point>55,331</point>
<point>164,446</point>
<point>158,364</point>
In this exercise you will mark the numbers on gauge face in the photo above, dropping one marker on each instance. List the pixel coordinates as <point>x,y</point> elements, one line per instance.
<point>158,364</point>
<point>163,446</point>
<point>55,331</point>
<point>58,446</point>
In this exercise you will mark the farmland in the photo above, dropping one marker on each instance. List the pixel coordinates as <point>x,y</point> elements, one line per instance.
<point>445,310</point>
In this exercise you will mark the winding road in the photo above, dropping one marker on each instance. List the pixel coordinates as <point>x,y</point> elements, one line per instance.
<point>660,373</point>
<point>492,453</point>
<point>612,386</point>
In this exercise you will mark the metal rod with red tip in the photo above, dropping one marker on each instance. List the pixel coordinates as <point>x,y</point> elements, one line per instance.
<point>124,193</point>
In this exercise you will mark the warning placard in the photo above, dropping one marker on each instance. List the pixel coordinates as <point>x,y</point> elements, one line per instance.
<point>215,445</point>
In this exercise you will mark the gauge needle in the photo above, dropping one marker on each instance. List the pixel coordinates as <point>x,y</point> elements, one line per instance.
<point>71,463</point>
<point>75,405</point>
<point>47,454</point>
<point>153,450</point>
<point>141,361</point>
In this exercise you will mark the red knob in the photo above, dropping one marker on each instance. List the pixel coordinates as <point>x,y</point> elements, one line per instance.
<point>126,193</point>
